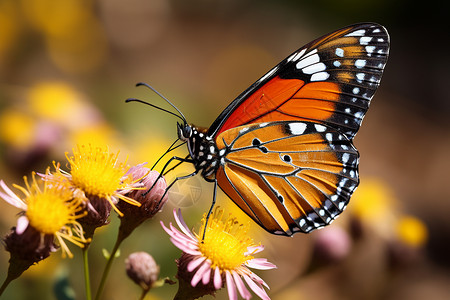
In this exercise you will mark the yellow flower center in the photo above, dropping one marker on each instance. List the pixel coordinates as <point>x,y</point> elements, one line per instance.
<point>95,171</point>
<point>225,242</point>
<point>50,210</point>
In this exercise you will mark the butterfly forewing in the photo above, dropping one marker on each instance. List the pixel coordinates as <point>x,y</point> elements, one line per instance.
<point>288,176</point>
<point>330,81</point>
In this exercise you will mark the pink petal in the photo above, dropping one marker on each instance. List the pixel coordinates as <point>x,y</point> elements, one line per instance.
<point>260,264</point>
<point>174,233</point>
<point>257,289</point>
<point>183,247</point>
<point>183,226</point>
<point>240,286</point>
<point>10,197</point>
<point>22,224</point>
<point>207,276</point>
<point>254,249</point>
<point>199,274</point>
<point>232,295</point>
<point>182,236</point>
<point>256,278</point>
<point>137,171</point>
<point>217,279</point>
<point>193,264</point>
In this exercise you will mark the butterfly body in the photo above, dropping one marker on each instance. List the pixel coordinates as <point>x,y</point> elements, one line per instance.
<point>283,149</point>
<point>202,150</point>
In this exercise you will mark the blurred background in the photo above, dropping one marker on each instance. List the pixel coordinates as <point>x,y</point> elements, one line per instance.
<point>66,68</point>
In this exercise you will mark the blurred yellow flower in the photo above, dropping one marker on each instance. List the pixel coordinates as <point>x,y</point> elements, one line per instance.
<point>56,101</point>
<point>55,17</point>
<point>8,27</point>
<point>412,231</point>
<point>375,205</point>
<point>373,199</point>
<point>96,135</point>
<point>16,128</point>
<point>75,39</point>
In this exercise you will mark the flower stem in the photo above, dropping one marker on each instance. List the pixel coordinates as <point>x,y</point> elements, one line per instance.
<point>108,266</point>
<point>87,281</point>
<point>5,284</point>
<point>144,292</point>
<point>16,267</point>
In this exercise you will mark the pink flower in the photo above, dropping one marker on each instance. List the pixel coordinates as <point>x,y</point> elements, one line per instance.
<point>223,257</point>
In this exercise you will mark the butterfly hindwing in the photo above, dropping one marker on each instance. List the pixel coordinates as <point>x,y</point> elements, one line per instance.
<point>288,176</point>
<point>330,81</point>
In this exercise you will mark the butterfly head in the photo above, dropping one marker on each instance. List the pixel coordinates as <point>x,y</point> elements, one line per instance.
<point>184,131</point>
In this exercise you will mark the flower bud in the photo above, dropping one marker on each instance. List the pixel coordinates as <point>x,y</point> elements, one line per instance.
<point>149,196</point>
<point>142,269</point>
<point>332,244</point>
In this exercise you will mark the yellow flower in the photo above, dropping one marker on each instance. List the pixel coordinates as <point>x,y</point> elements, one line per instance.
<point>412,231</point>
<point>95,173</point>
<point>375,205</point>
<point>52,211</point>
<point>16,128</point>
<point>225,242</point>
<point>223,256</point>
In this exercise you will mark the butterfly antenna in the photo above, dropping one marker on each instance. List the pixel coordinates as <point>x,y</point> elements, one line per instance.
<point>154,106</point>
<point>167,100</point>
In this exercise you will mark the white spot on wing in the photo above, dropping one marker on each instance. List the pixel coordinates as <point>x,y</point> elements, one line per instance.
<point>359,32</point>
<point>337,63</point>
<point>243,130</point>
<point>297,55</point>
<point>360,63</point>
<point>370,49</point>
<point>340,52</point>
<point>314,68</point>
<point>297,128</point>
<point>345,157</point>
<point>321,76</point>
<point>320,128</point>
<point>365,40</point>
<point>307,61</point>
<point>360,76</point>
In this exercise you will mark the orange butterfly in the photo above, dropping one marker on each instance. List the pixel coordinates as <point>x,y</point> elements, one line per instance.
<point>282,150</point>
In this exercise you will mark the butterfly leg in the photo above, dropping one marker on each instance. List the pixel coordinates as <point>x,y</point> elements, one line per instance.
<point>182,160</point>
<point>172,183</point>
<point>211,208</point>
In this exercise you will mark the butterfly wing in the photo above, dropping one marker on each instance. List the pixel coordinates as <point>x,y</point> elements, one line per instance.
<point>330,81</point>
<point>288,176</point>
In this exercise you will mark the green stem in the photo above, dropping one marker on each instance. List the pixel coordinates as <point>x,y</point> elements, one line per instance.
<point>108,266</point>
<point>144,292</point>
<point>5,284</point>
<point>87,281</point>
<point>16,267</point>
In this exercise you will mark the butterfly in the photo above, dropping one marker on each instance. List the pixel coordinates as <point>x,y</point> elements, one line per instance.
<point>282,150</point>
